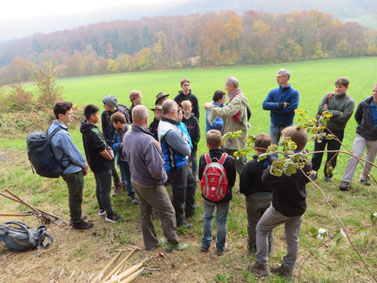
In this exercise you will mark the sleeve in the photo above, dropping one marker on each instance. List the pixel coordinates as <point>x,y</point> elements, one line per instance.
<point>98,143</point>
<point>267,177</point>
<point>269,103</point>
<point>231,172</point>
<point>176,141</point>
<point>115,143</point>
<point>359,114</point>
<point>196,138</point>
<point>154,162</point>
<point>343,118</point>
<point>323,102</point>
<point>71,150</point>
<point>104,126</point>
<point>228,111</point>
<point>202,165</point>
<point>245,178</point>
<point>197,112</point>
<point>293,103</point>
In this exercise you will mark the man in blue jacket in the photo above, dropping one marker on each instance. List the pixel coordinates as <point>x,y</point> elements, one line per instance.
<point>282,102</point>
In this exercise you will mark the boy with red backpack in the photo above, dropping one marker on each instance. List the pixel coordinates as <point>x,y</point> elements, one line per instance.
<point>217,173</point>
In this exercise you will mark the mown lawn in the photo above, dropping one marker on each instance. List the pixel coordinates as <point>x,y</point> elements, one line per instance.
<point>89,251</point>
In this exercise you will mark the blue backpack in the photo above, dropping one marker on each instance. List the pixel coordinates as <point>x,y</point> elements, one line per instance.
<point>41,156</point>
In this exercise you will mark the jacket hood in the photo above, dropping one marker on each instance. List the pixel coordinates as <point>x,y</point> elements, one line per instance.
<point>181,92</point>
<point>85,126</point>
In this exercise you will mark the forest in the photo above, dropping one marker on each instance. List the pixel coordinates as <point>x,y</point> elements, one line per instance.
<point>199,40</point>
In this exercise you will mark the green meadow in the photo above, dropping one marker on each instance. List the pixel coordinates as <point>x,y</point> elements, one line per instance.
<point>89,251</point>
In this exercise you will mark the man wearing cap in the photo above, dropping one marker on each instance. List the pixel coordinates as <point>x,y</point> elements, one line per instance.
<point>110,103</point>
<point>185,94</point>
<point>160,98</point>
<point>153,127</point>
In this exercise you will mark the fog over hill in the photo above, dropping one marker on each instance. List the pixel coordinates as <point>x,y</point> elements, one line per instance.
<point>362,11</point>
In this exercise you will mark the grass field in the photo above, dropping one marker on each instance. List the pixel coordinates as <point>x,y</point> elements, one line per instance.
<point>90,250</point>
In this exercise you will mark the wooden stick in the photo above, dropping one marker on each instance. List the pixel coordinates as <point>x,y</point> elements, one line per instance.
<point>126,273</point>
<point>107,266</point>
<point>28,213</point>
<point>119,266</point>
<point>132,277</point>
<point>4,195</point>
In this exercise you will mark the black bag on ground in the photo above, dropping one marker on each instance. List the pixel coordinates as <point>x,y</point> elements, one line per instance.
<point>17,236</point>
<point>41,156</point>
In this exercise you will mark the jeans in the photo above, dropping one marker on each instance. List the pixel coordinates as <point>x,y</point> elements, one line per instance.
<point>275,133</point>
<point>194,161</point>
<point>221,218</point>
<point>126,177</point>
<point>156,198</point>
<point>271,219</point>
<point>358,149</point>
<point>331,145</point>
<point>103,189</point>
<point>75,183</point>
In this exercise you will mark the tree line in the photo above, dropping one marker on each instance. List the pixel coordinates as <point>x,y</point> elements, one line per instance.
<point>211,39</point>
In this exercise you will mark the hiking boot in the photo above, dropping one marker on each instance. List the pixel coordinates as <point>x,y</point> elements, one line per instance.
<point>176,247</point>
<point>343,186</point>
<point>118,188</point>
<point>365,182</point>
<point>329,179</point>
<point>113,218</point>
<point>161,242</point>
<point>186,225</point>
<point>101,212</point>
<point>281,270</point>
<point>82,226</point>
<point>134,201</point>
<point>203,249</point>
<point>220,253</point>
<point>84,217</point>
<point>259,269</point>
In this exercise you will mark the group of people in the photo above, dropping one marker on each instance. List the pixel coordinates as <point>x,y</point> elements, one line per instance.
<point>152,155</point>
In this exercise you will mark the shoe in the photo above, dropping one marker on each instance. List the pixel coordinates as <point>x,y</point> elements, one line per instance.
<point>220,253</point>
<point>113,218</point>
<point>118,188</point>
<point>176,247</point>
<point>203,249</point>
<point>365,182</point>
<point>259,269</point>
<point>281,270</point>
<point>161,242</point>
<point>82,226</point>
<point>84,217</point>
<point>134,201</point>
<point>101,212</point>
<point>343,186</point>
<point>186,225</point>
<point>329,179</point>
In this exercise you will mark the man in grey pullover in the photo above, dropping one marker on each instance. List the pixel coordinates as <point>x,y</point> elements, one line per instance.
<point>148,176</point>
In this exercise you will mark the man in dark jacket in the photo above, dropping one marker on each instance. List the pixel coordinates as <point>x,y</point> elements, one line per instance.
<point>185,94</point>
<point>148,177</point>
<point>341,105</point>
<point>282,102</point>
<point>110,103</point>
<point>366,136</point>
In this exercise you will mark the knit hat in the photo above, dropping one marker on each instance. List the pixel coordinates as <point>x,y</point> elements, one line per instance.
<point>110,101</point>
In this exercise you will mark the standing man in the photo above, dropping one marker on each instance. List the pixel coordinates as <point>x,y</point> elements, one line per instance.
<point>72,160</point>
<point>341,106</point>
<point>148,177</point>
<point>366,136</point>
<point>235,118</point>
<point>185,94</point>
<point>282,102</point>
<point>176,149</point>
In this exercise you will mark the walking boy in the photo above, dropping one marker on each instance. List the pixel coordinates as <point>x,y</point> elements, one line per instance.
<point>72,160</point>
<point>214,143</point>
<point>341,105</point>
<point>101,161</point>
<point>288,207</point>
<point>258,195</point>
<point>119,123</point>
<point>193,128</point>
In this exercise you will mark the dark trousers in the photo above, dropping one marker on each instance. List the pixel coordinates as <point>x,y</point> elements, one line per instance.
<point>103,188</point>
<point>183,188</point>
<point>156,198</point>
<point>331,145</point>
<point>75,183</point>
<point>115,175</point>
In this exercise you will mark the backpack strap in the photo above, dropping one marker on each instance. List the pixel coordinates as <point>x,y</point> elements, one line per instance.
<point>207,158</point>
<point>329,98</point>
<point>223,157</point>
<point>57,129</point>
<point>22,226</point>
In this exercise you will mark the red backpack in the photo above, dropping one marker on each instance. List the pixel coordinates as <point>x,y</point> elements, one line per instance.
<point>214,182</point>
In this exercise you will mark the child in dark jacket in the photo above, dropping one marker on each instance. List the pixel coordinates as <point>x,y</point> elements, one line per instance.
<point>193,128</point>
<point>119,123</point>
<point>288,208</point>
<point>101,161</point>
<point>153,127</point>
<point>258,195</point>
<point>214,143</point>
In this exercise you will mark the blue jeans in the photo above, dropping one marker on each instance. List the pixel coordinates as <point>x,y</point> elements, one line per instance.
<point>275,133</point>
<point>126,177</point>
<point>194,161</point>
<point>221,218</point>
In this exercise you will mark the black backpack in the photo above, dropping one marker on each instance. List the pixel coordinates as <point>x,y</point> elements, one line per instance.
<point>17,236</point>
<point>41,156</point>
